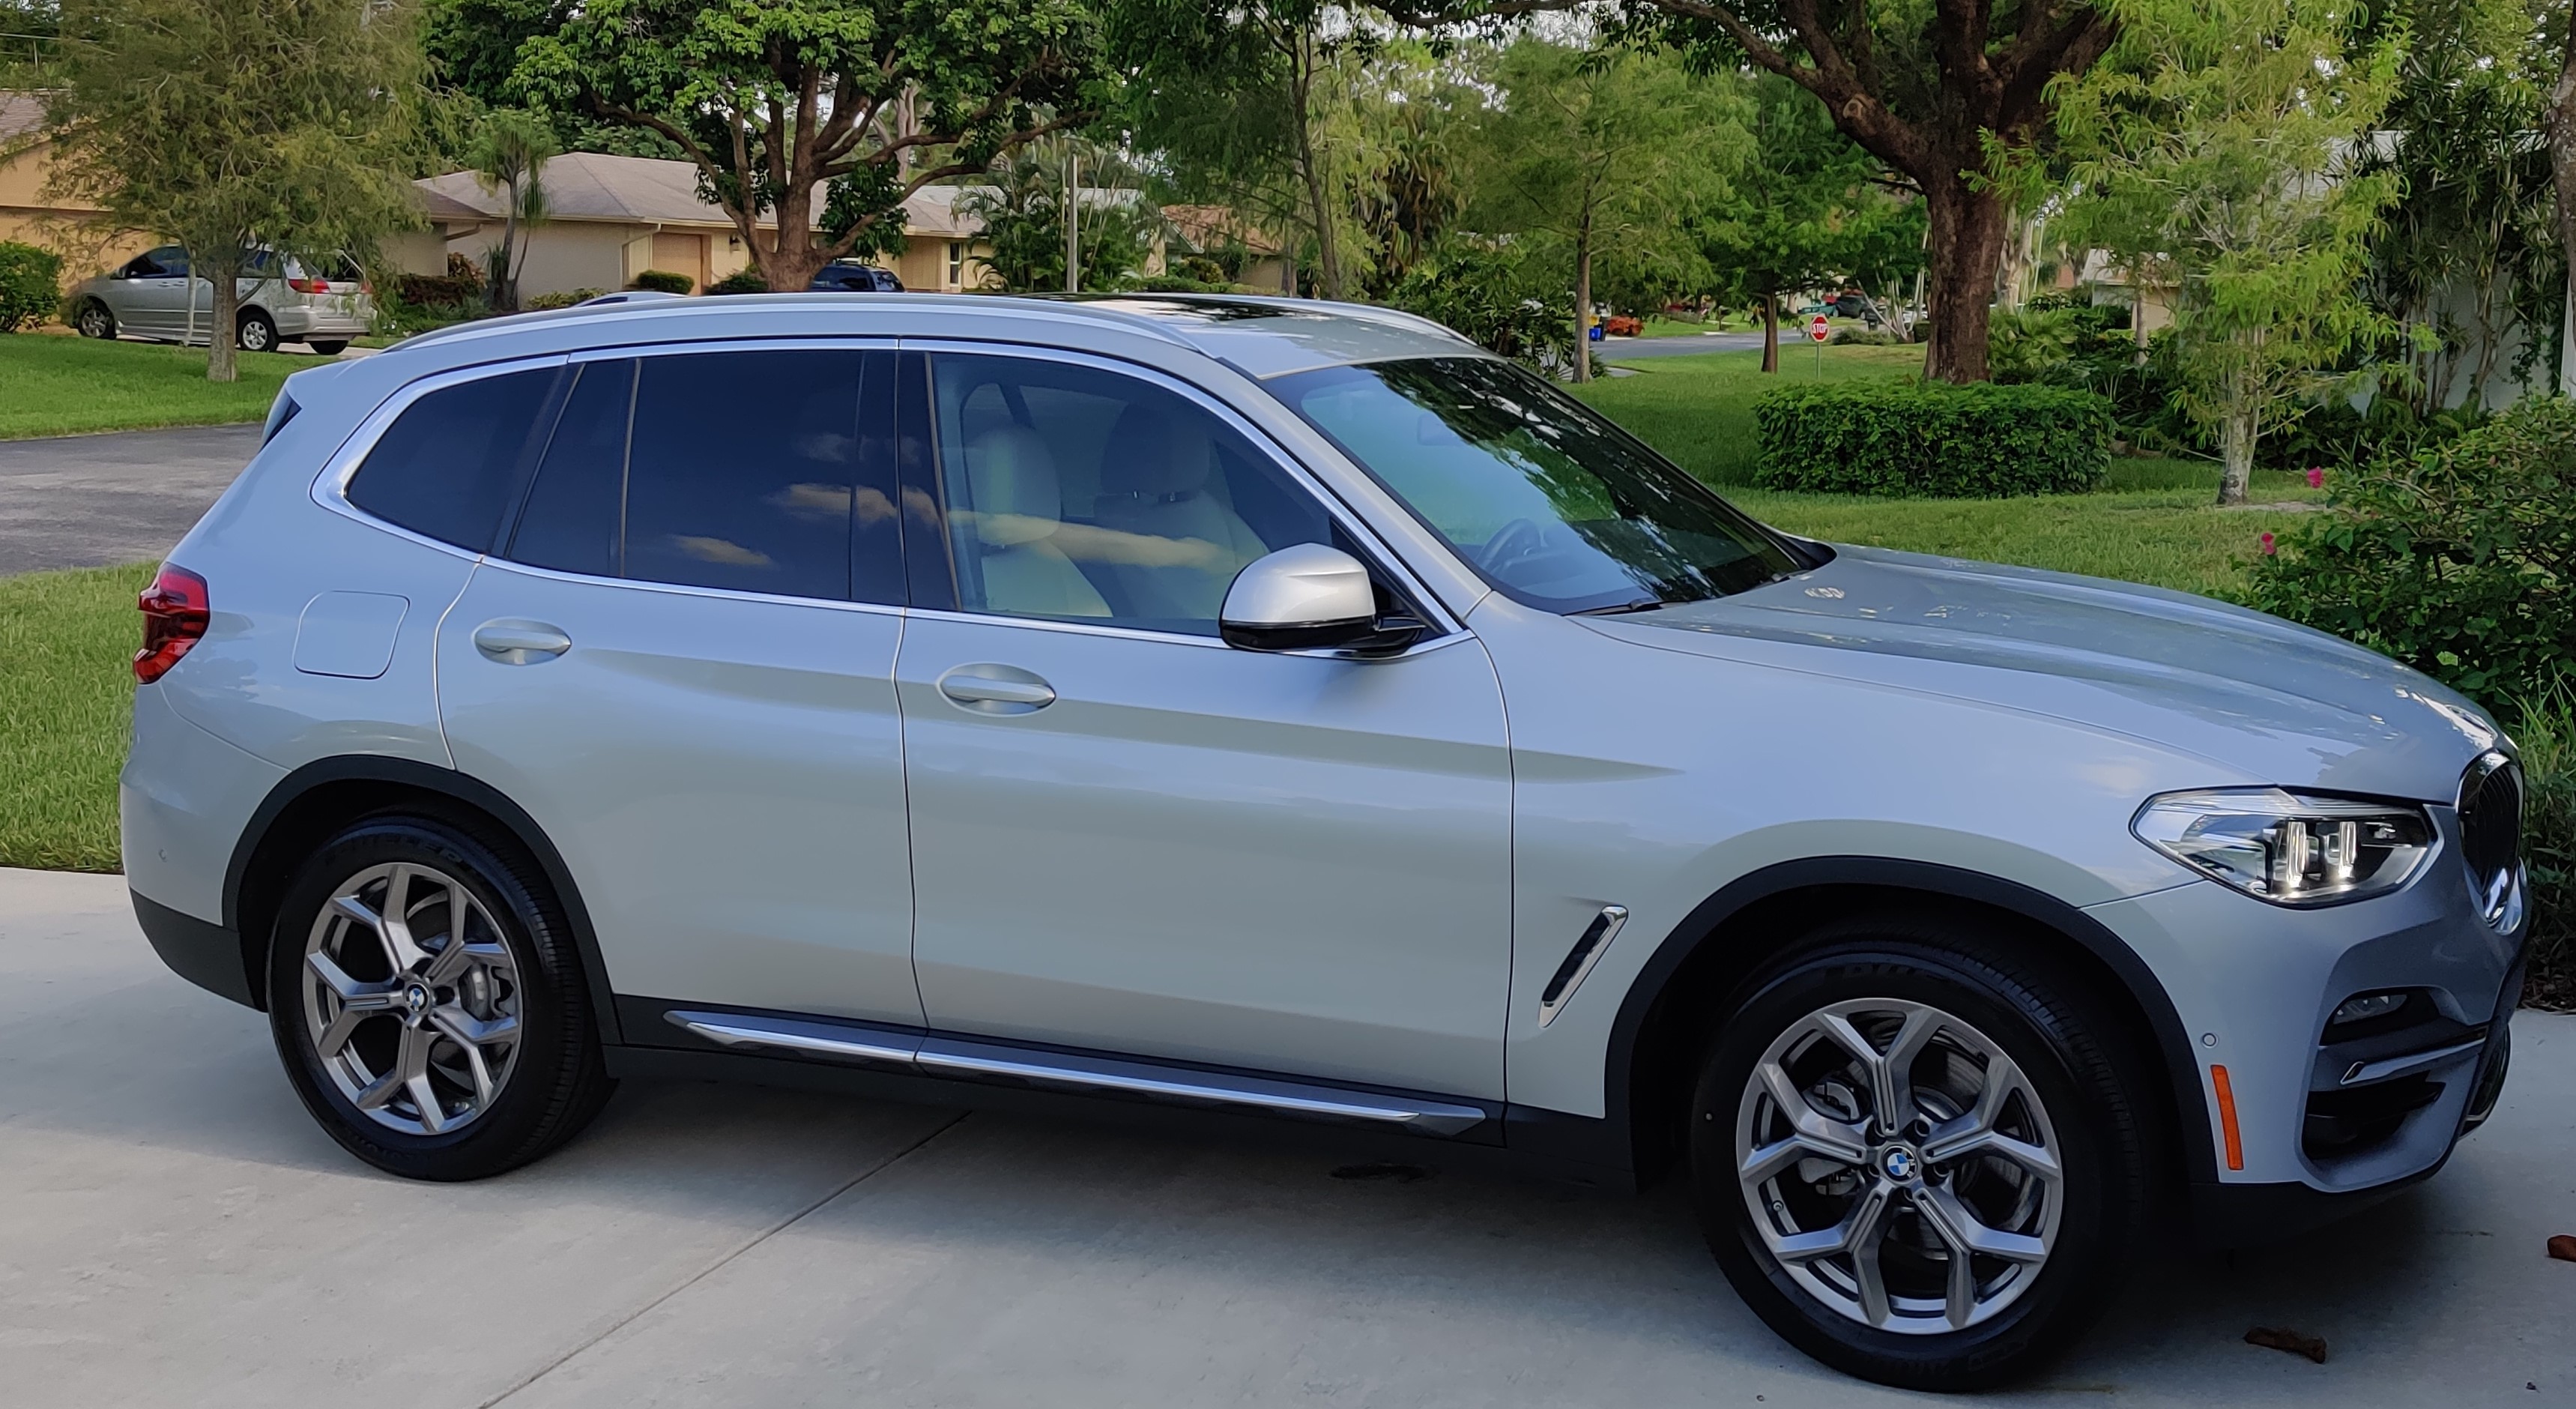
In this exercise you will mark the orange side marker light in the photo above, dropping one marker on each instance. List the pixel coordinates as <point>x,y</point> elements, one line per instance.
<point>2227,1116</point>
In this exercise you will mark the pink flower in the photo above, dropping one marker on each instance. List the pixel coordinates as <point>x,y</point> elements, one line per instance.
<point>2267,544</point>
<point>2316,477</point>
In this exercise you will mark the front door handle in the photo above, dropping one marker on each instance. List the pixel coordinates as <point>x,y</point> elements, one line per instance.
<point>520,642</point>
<point>996,689</point>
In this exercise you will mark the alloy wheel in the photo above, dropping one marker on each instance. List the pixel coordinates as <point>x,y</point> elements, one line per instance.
<point>412,1000</point>
<point>1900,1168</point>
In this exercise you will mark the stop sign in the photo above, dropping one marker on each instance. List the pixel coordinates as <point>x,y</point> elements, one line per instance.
<point>1816,329</point>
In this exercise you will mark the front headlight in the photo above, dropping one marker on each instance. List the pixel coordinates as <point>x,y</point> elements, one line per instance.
<point>2287,848</point>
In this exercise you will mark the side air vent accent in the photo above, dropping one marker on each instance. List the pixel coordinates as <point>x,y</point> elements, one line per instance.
<point>1579,960</point>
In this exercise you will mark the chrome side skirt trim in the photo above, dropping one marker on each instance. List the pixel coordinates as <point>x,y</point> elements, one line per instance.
<point>984,1061</point>
<point>1587,951</point>
<point>846,1044</point>
<point>2387,1067</point>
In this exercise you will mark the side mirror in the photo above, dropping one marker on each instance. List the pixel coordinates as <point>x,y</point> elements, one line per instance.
<point>1310,597</point>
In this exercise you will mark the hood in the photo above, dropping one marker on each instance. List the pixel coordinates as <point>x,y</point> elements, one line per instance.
<point>2274,702</point>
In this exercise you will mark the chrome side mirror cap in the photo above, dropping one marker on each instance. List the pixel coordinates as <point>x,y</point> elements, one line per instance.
<point>1310,597</point>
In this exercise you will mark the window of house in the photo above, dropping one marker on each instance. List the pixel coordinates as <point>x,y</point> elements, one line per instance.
<point>956,264</point>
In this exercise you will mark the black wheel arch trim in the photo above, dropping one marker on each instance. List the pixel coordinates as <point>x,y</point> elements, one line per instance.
<point>2173,1044</point>
<point>447,782</point>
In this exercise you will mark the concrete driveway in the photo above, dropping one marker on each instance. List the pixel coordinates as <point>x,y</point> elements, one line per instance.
<point>174,1231</point>
<point>98,500</point>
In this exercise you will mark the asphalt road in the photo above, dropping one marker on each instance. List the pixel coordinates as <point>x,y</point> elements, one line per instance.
<point>95,500</point>
<point>175,1231</point>
<point>1683,345</point>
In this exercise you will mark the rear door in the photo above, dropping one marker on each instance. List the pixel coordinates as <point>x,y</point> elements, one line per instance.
<point>680,662</point>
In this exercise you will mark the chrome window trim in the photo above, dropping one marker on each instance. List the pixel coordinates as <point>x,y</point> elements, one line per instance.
<point>331,485</point>
<point>802,342</point>
<point>1338,509</point>
<point>1178,638</point>
<point>728,594</point>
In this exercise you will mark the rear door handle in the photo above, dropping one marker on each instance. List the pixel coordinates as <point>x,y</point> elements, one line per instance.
<point>520,642</point>
<point>996,689</point>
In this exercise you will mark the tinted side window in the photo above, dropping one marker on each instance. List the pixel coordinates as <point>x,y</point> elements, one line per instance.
<point>743,470</point>
<point>449,465</point>
<point>1076,493</point>
<point>570,522</point>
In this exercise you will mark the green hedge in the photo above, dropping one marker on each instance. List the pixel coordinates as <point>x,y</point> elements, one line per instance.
<point>665,281</point>
<point>30,285</point>
<point>1932,440</point>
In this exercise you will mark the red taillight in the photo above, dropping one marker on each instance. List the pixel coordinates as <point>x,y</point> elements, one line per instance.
<point>309,286</point>
<point>174,617</point>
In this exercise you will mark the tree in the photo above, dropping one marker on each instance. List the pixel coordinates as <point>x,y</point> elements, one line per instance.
<point>821,112</point>
<point>1023,215</point>
<point>2558,121</point>
<point>2217,139</point>
<point>510,155</point>
<point>232,125</point>
<point>1598,147</point>
<point>1801,212</point>
<point>1944,93</point>
<point>1239,97</point>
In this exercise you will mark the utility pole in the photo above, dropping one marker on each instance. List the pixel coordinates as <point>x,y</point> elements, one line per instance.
<point>1072,220</point>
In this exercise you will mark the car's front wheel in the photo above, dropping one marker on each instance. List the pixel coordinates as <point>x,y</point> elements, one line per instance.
<point>427,999</point>
<point>1919,1157</point>
<point>95,321</point>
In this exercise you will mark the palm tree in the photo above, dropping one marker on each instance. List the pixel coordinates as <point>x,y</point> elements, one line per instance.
<point>510,155</point>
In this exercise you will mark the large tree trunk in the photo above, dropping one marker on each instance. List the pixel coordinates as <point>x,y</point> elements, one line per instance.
<point>1770,332</point>
<point>503,296</point>
<point>1328,263</point>
<point>2559,121</point>
<point>1583,302</point>
<point>1968,228</point>
<point>221,366</point>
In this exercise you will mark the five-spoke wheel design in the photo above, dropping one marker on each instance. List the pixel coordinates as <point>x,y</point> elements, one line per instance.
<point>412,998</point>
<point>1898,1165</point>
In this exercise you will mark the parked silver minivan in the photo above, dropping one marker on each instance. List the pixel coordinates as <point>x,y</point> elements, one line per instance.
<point>1266,707</point>
<point>149,296</point>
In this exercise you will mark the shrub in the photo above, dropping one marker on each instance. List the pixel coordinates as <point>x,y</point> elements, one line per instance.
<point>564,298</point>
<point>438,290</point>
<point>31,285</point>
<point>2459,561</point>
<point>1180,284</point>
<point>1863,337</point>
<point>2546,730</point>
<point>1496,296</point>
<point>742,281</point>
<point>1931,439</point>
<point>664,281</point>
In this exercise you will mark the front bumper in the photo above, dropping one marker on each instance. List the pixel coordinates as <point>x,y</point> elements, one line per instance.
<point>2328,1121</point>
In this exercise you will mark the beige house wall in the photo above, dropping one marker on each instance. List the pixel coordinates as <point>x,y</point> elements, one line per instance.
<point>563,255</point>
<point>68,229</point>
<point>940,264</point>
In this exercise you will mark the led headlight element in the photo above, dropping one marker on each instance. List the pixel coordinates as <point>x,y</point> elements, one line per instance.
<point>2286,848</point>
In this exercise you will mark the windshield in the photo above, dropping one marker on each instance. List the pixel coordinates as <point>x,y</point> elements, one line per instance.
<point>1555,506</point>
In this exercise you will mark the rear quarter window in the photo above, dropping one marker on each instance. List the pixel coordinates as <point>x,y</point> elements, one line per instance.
<point>450,464</point>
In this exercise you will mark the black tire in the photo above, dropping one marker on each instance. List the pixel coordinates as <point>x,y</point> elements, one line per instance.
<point>94,321</point>
<point>554,1081</point>
<point>256,331</point>
<point>2054,1030</point>
<point>329,347</point>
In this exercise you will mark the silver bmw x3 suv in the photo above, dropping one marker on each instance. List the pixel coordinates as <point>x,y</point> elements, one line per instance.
<point>1286,709</point>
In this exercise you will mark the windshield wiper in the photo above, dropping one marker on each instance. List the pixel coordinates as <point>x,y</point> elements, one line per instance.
<point>1642,604</point>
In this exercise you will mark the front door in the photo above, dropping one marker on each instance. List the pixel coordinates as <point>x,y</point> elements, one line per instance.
<point>1130,837</point>
<point>153,299</point>
<point>680,662</point>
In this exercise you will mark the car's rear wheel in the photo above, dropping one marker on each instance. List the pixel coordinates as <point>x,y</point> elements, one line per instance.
<point>328,347</point>
<point>428,1002</point>
<point>258,333</point>
<point>95,321</point>
<point>1918,1157</point>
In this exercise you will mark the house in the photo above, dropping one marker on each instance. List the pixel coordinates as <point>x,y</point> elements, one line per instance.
<point>76,230</point>
<point>608,219</point>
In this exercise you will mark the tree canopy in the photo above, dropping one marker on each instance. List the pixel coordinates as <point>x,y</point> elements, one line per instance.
<point>796,111</point>
<point>231,125</point>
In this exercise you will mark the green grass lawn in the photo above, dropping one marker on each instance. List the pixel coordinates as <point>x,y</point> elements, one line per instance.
<point>67,642</point>
<point>72,386</point>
